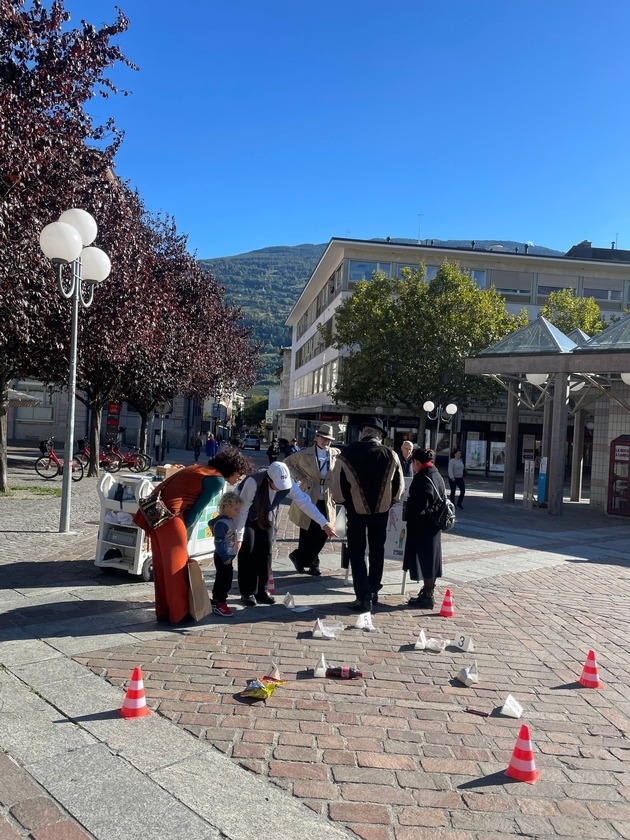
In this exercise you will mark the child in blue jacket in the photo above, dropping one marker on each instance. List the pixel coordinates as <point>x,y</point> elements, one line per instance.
<point>224,551</point>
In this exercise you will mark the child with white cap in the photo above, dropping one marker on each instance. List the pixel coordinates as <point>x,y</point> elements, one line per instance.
<point>262,493</point>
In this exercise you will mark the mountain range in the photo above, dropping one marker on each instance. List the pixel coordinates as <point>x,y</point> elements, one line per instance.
<point>266,283</point>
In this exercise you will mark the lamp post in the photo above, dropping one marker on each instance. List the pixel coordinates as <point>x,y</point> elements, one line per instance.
<point>438,413</point>
<point>67,242</point>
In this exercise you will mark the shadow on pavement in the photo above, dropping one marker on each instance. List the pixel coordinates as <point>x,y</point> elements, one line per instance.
<point>25,575</point>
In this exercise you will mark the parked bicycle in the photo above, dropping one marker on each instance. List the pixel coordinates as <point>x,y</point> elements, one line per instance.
<point>112,458</point>
<point>49,465</point>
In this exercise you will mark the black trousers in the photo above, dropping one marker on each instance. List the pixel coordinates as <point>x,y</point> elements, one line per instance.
<point>455,483</point>
<point>311,541</point>
<point>222,581</point>
<point>254,560</point>
<point>363,531</point>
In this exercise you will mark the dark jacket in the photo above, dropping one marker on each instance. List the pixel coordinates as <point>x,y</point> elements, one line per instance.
<point>367,478</point>
<point>423,547</point>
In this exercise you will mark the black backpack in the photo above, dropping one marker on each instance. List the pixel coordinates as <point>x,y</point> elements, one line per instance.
<point>442,511</point>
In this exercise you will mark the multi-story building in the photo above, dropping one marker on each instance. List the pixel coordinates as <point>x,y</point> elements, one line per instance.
<point>523,277</point>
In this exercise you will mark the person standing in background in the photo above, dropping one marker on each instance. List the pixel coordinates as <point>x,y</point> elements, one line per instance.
<point>211,446</point>
<point>197,446</point>
<point>311,468</point>
<point>406,449</point>
<point>456,471</point>
<point>292,447</point>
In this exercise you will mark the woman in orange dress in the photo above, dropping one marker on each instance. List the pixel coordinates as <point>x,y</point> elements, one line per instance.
<point>186,494</point>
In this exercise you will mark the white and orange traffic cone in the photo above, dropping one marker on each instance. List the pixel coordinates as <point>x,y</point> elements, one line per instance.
<point>521,766</point>
<point>590,675</point>
<point>135,704</point>
<point>271,584</point>
<point>447,605</point>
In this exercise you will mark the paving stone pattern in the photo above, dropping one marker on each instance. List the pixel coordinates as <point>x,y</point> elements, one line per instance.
<point>395,754</point>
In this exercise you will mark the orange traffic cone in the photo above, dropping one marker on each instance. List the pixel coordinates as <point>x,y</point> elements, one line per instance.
<point>447,605</point>
<point>271,584</point>
<point>590,676</point>
<point>521,766</point>
<point>135,704</point>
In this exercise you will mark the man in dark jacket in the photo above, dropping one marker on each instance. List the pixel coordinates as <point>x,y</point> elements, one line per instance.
<point>368,479</point>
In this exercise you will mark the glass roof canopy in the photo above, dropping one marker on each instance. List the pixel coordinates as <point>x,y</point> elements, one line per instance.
<point>539,336</point>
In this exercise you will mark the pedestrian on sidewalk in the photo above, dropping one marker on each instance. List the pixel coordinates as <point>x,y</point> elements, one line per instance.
<point>292,447</point>
<point>423,548</point>
<point>224,533</point>
<point>197,446</point>
<point>273,451</point>
<point>211,446</point>
<point>256,523</point>
<point>456,473</point>
<point>185,493</point>
<point>406,448</point>
<point>312,469</point>
<point>368,479</point>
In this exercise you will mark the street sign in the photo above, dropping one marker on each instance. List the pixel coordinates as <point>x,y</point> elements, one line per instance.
<point>163,408</point>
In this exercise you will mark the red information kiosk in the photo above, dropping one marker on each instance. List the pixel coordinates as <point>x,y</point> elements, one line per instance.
<point>618,477</point>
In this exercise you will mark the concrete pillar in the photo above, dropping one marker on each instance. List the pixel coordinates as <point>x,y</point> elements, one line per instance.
<point>511,446</point>
<point>555,472</point>
<point>577,457</point>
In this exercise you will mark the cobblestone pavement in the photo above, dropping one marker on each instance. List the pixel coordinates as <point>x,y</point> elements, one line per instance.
<point>394,755</point>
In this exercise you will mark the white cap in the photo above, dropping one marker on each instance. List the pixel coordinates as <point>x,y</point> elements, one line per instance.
<point>280,475</point>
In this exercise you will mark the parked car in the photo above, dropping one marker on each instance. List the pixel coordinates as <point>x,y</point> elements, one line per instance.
<point>250,442</point>
<point>282,445</point>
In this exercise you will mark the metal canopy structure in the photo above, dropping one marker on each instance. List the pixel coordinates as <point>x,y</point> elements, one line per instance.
<point>539,366</point>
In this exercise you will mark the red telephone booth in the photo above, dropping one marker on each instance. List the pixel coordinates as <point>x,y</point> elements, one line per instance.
<point>618,476</point>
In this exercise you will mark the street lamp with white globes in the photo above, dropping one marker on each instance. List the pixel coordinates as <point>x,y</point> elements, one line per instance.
<point>438,413</point>
<point>67,242</point>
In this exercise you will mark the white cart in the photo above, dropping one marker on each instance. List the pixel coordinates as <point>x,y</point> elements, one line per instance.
<point>122,545</point>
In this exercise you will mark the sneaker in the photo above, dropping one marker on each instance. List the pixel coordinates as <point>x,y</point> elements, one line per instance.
<point>264,598</point>
<point>222,609</point>
<point>248,600</point>
<point>314,570</point>
<point>298,566</point>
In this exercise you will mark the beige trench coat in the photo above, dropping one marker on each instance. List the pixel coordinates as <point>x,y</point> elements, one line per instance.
<point>303,468</point>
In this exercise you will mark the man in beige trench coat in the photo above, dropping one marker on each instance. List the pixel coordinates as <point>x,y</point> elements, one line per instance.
<point>311,468</point>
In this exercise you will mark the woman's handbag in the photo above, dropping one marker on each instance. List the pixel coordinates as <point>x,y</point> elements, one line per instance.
<point>154,510</point>
<point>199,604</point>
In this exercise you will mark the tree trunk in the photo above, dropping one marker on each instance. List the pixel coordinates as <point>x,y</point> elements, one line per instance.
<point>4,407</point>
<point>96,409</point>
<point>144,424</point>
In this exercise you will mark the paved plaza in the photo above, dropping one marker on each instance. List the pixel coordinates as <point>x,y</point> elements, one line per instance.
<point>394,755</point>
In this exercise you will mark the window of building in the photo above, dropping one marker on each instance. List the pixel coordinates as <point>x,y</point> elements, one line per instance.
<point>479,277</point>
<point>43,412</point>
<point>513,285</point>
<point>358,270</point>
<point>604,289</point>
<point>338,278</point>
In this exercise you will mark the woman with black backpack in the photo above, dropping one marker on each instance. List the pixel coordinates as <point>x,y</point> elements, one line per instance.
<point>423,548</point>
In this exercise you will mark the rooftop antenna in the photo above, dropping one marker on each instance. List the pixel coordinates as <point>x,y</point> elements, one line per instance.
<point>420,215</point>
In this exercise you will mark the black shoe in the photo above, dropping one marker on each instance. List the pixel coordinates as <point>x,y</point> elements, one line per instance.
<point>314,570</point>
<point>374,599</point>
<point>298,566</point>
<point>248,600</point>
<point>461,507</point>
<point>423,600</point>
<point>361,606</point>
<point>264,598</point>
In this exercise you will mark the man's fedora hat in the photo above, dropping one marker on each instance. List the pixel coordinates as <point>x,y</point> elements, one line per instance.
<point>375,423</point>
<point>325,431</point>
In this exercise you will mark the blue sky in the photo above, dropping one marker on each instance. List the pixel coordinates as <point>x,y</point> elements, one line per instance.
<point>280,123</point>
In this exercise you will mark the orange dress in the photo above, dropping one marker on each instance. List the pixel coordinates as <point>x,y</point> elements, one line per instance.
<point>185,493</point>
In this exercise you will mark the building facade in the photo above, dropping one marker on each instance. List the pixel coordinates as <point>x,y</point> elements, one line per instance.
<point>525,280</point>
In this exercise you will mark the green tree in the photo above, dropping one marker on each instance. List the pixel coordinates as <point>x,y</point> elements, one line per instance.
<point>254,412</point>
<point>568,312</point>
<point>407,339</point>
